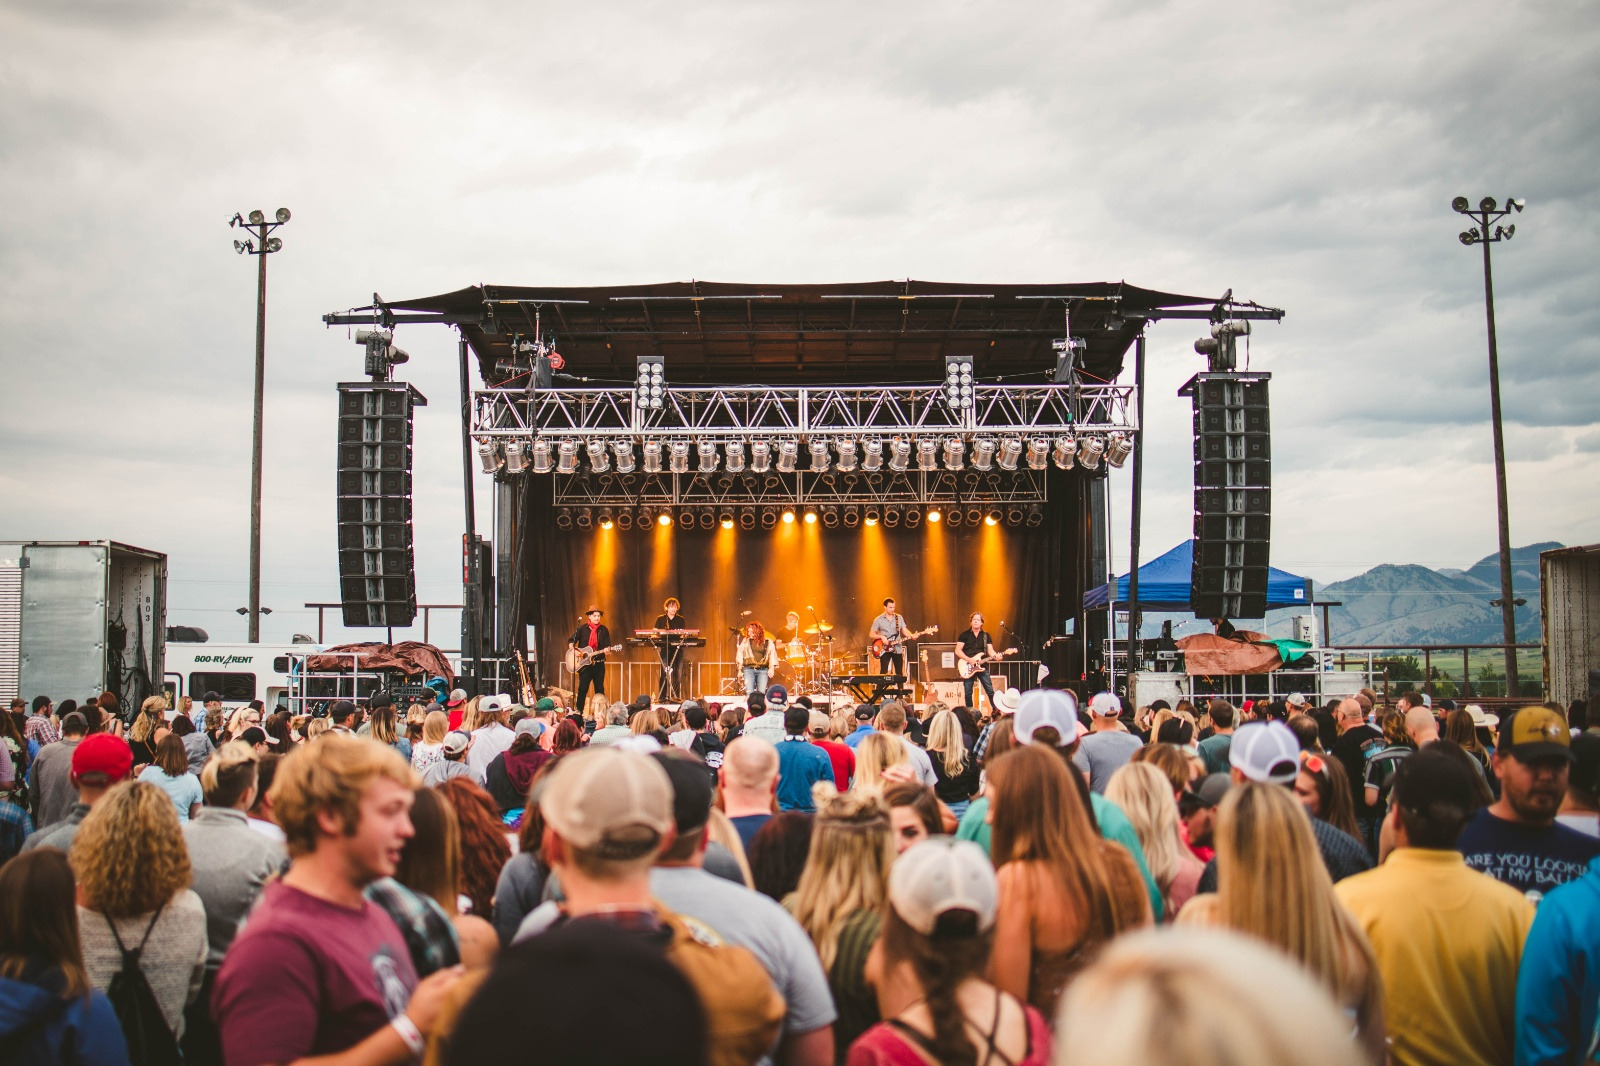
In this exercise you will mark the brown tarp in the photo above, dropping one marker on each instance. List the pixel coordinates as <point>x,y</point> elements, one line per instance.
<point>410,657</point>
<point>1207,653</point>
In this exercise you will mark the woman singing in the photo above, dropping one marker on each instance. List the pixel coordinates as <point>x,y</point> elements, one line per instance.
<point>758,654</point>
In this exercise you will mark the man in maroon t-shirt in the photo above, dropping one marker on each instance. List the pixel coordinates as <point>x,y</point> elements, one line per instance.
<point>317,969</point>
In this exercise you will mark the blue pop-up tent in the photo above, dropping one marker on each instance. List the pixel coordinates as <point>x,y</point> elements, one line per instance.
<point>1164,585</point>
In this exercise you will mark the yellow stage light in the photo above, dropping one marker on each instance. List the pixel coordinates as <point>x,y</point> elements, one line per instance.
<point>727,523</point>
<point>665,519</point>
<point>788,518</point>
<point>811,518</point>
<point>934,515</point>
<point>872,519</point>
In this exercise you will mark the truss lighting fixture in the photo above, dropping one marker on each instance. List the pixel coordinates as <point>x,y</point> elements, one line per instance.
<point>992,518</point>
<point>899,455</point>
<point>624,519</point>
<point>664,518</point>
<point>599,456</point>
<point>927,454</point>
<point>708,455</point>
<point>851,517</point>
<point>935,515</point>
<point>1118,448</point>
<point>543,459</point>
<point>647,517</point>
<point>652,457</point>
<point>623,451</point>
<point>487,456</point>
<point>1014,516</point>
<point>734,450</point>
<point>954,450</point>
<point>788,453</point>
<point>788,516</point>
<point>819,455</point>
<point>769,517</point>
<point>567,457</point>
<point>870,516</point>
<point>725,519</point>
<point>1089,452</point>
<point>1038,453</point>
<point>912,518</point>
<point>563,518</point>
<point>516,457</point>
<point>1010,452</point>
<point>607,518</point>
<point>650,383</point>
<point>760,457</point>
<point>952,520</point>
<point>871,453</point>
<point>747,519</point>
<point>811,516</point>
<point>891,517</point>
<point>983,453</point>
<point>958,381</point>
<point>1066,452</point>
<point>974,515</point>
<point>680,457</point>
<point>846,447</point>
<point>1035,515</point>
<point>583,519</point>
<point>708,520</point>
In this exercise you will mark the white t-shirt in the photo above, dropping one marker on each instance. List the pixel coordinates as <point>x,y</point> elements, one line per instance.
<point>921,763</point>
<point>487,742</point>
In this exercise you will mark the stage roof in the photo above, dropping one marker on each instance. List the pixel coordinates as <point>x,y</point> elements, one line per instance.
<point>1164,585</point>
<point>878,332</point>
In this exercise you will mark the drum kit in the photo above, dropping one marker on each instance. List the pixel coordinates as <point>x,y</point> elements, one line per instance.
<point>807,667</point>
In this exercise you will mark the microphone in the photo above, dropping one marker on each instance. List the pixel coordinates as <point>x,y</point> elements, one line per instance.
<point>810,608</point>
<point>743,613</point>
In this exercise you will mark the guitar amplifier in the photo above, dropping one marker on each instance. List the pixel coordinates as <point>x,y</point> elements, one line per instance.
<point>937,662</point>
<point>951,693</point>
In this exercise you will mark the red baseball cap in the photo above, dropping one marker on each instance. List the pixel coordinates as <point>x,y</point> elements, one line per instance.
<point>102,753</point>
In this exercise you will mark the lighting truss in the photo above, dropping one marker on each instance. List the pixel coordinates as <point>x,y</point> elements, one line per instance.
<point>718,492</point>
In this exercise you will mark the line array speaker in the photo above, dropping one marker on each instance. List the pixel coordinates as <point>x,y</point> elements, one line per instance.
<point>377,571</point>
<point>1232,495</point>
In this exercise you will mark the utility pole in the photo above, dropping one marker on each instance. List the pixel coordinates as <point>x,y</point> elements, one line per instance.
<point>1487,232</point>
<point>261,244</point>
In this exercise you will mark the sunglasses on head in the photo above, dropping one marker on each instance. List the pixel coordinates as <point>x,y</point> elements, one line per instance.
<point>1313,762</point>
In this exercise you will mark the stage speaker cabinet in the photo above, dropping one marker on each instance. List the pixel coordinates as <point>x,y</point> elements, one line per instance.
<point>1232,495</point>
<point>377,571</point>
<point>950,693</point>
<point>937,662</point>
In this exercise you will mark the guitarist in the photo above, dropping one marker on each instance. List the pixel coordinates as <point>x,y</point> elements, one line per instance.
<point>671,651</point>
<point>591,636</point>
<point>891,627</point>
<point>975,646</point>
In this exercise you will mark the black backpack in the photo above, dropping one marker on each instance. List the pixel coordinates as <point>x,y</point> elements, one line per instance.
<point>150,1042</point>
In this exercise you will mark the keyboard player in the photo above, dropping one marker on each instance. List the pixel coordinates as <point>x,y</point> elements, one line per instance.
<point>671,650</point>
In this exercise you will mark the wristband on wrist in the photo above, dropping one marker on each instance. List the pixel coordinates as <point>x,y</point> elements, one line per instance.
<point>409,1032</point>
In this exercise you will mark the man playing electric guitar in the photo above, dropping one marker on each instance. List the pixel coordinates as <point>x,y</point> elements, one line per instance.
<point>975,649</point>
<point>889,636</point>
<point>590,637</point>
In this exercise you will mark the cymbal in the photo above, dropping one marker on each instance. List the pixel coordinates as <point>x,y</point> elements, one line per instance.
<point>820,627</point>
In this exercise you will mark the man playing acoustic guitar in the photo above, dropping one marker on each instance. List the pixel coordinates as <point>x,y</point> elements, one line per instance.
<point>587,647</point>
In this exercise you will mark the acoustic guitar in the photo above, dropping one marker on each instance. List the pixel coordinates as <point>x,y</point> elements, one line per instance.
<point>577,658</point>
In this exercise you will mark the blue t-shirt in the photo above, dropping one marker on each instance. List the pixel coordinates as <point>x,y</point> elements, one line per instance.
<point>1531,859</point>
<point>862,729</point>
<point>801,764</point>
<point>748,825</point>
<point>184,789</point>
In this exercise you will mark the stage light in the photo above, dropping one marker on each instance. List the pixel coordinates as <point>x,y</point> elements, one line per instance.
<point>516,457</point>
<point>583,519</point>
<point>747,519</point>
<point>1038,453</point>
<point>760,457</point>
<point>1010,452</point>
<point>819,455</point>
<point>982,453</point>
<point>599,456</point>
<point>623,451</point>
<point>846,447</point>
<point>958,381</point>
<point>992,518</point>
<point>788,516</point>
<point>1035,515</point>
<point>624,519</point>
<point>664,518</point>
<point>543,459</point>
<point>680,457</point>
<point>935,515</point>
<point>871,453</point>
<point>912,518</point>
<point>652,457</point>
<point>1089,451</point>
<point>769,517</point>
<point>1014,516</point>
<point>734,450</point>
<point>567,457</point>
<point>891,517</point>
<point>788,452</point>
<point>708,456</point>
<point>899,455</point>
<point>1066,451</point>
<point>974,515</point>
<point>851,517</point>
<point>811,517</point>
<point>830,517</point>
<point>952,520</point>
<point>647,517</point>
<point>1118,448</point>
<point>927,454</point>
<point>607,520</point>
<point>725,519</point>
<point>650,382</point>
<point>708,520</point>
<point>487,456</point>
<point>954,450</point>
<point>870,516</point>
<point>563,518</point>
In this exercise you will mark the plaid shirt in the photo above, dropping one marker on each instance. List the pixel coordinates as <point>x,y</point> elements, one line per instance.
<point>39,728</point>
<point>429,933</point>
<point>981,747</point>
<point>15,825</point>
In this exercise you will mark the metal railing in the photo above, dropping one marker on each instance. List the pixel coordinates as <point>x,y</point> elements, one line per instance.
<point>1383,656</point>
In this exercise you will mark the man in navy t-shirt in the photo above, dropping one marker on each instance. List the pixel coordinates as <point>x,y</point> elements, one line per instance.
<point>1517,839</point>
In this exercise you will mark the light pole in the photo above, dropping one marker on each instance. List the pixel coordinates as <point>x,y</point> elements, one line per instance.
<point>261,244</point>
<point>1487,232</point>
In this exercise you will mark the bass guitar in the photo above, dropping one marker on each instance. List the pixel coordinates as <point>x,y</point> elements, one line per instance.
<point>577,658</point>
<point>880,646</point>
<point>971,668</point>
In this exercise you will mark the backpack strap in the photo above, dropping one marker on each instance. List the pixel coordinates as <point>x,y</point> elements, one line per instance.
<point>136,952</point>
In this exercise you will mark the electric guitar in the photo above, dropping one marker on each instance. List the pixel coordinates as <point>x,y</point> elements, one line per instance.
<point>527,686</point>
<point>971,668</point>
<point>880,646</point>
<point>577,658</point>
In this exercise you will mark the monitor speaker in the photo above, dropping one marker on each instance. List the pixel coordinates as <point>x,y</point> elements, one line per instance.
<point>377,570</point>
<point>1232,495</point>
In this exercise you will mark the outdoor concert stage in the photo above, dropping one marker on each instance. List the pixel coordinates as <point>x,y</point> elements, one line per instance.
<point>759,449</point>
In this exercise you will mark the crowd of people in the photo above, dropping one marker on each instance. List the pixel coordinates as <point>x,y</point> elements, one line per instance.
<point>474,880</point>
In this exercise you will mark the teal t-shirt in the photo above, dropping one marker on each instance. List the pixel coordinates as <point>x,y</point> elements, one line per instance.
<point>1114,826</point>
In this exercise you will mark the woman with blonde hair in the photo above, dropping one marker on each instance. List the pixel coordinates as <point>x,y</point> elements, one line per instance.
<point>1174,763</point>
<point>431,750</point>
<point>316,728</point>
<point>1273,886</point>
<point>148,729</point>
<point>133,892</point>
<point>387,730</point>
<point>954,770</point>
<point>1064,890</point>
<point>839,901</point>
<point>876,753</point>
<point>469,717</point>
<point>1146,796</point>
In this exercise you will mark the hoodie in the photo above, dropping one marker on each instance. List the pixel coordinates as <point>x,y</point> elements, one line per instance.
<point>509,776</point>
<point>39,1028</point>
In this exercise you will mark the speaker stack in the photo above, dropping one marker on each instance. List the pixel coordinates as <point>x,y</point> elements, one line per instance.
<point>1232,495</point>
<point>377,572</point>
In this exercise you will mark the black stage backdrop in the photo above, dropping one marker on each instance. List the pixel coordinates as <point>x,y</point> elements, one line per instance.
<point>1027,577</point>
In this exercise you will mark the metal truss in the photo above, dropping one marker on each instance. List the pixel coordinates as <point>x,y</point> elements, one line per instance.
<point>746,489</point>
<point>762,412</point>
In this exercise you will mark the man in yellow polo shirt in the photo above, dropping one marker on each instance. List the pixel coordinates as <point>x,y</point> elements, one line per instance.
<point>1447,938</point>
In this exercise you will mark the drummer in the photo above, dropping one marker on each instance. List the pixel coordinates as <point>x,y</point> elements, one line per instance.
<point>758,654</point>
<point>791,626</point>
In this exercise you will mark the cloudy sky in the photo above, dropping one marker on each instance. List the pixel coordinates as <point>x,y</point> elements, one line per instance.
<point>1302,154</point>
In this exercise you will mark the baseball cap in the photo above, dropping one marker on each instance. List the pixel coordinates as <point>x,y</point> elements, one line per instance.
<point>495,703</point>
<point>102,753</point>
<point>691,789</point>
<point>610,800</point>
<point>545,703</point>
<point>341,708</point>
<point>382,699</point>
<point>455,742</point>
<point>1534,733</point>
<point>74,723</point>
<point>256,735</point>
<point>1585,762</point>
<point>458,696</point>
<point>1266,752</point>
<point>1006,702</point>
<point>1212,788</point>
<point>1105,705</point>
<point>211,697</point>
<point>1297,699</point>
<point>941,874</point>
<point>530,725</point>
<point>640,702</point>
<point>1041,707</point>
<point>865,712</point>
<point>777,695</point>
